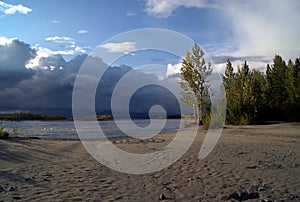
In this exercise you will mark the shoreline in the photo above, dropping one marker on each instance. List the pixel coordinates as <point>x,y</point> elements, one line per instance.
<point>225,127</point>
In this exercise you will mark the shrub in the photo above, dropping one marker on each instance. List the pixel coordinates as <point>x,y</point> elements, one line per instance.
<point>103,117</point>
<point>244,119</point>
<point>3,133</point>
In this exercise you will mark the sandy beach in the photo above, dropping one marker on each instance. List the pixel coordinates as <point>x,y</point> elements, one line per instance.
<point>254,163</point>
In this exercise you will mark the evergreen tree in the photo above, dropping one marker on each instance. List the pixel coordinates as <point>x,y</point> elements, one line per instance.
<point>295,68</point>
<point>253,96</point>
<point>229,80</point>
<point>245,95</point>
<point>281,89</point>
<point>259,86</point>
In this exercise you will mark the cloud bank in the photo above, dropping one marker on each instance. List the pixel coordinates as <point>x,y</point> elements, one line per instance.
<point>258,28</point>
<point>265,27</point>
<point>49,85</point>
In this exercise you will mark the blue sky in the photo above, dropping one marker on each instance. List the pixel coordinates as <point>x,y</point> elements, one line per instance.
<point>40,42</point>
<point>104,19</point>
<point>243,29</point>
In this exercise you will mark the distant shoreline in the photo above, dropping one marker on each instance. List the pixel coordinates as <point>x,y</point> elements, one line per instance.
<point>27,116</point>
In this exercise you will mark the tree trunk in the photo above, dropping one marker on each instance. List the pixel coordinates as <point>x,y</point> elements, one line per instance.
<point>200,103</point>
<point>196,113</point>
<point>200,112</point>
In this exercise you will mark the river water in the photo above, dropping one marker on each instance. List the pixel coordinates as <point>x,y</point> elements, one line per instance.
<point>67,130</point>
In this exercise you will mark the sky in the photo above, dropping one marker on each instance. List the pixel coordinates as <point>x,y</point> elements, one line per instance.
<point>41,36</point>
<point>258,29</point>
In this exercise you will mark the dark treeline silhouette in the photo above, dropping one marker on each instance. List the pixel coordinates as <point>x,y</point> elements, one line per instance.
<point>255,97</point>
<point>18,116</point>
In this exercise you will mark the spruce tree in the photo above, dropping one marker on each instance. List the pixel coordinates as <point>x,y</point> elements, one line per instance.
<point>229,80</point>
<point>281,89</point>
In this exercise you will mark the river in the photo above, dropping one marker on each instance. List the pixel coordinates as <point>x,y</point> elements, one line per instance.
<point>67,130</point>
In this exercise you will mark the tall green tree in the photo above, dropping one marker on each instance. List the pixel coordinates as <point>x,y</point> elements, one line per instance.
<point>253,96</point>
<point>259,94</point>
<point>194,73</point>
<point>245,92</point>
<point>295,68</point>
<point>281,89</point>
<point>229,81</point>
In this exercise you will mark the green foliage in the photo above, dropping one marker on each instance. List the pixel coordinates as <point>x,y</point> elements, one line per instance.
<point>281,89</point>
<point>194,74</point>
<point>206,120</point>
<point>259,89</point>
<point>295,68</point>
<point>279,78</point>
<point>254,97</point>
<point>17,116</point>
<point>3,134</point>
<point>104,117</point>
<point>240,95</point>
<point>189,98</point>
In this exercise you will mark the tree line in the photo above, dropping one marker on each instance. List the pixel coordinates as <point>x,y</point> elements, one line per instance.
<point>252,96</point>
<point>21,116</point>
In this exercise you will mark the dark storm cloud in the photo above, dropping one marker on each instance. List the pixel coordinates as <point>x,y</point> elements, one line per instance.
<point>50,86</point>
<point>160,92</point>
<point>40,88</point>
<point>13,58</point>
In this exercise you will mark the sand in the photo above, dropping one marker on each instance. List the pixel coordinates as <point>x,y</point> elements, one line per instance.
<point>258,163</point>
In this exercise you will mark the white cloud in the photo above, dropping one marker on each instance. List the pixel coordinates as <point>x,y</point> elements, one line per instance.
<point>258,65</point>
<point>124,47</point>
<point>70,46</point>
<point>79,49</point>
<point>261,28</point>
<point>60,39</point>
<point>173,69</point>
<point>130,13</point>
<point>41,53</point>
<point>5,41</point>
<point>9,9</point>
<point>165,8</point>
<point>265,27</point>
<point>82,31</point>
<point>45,52</point>
<point>55,21</point>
